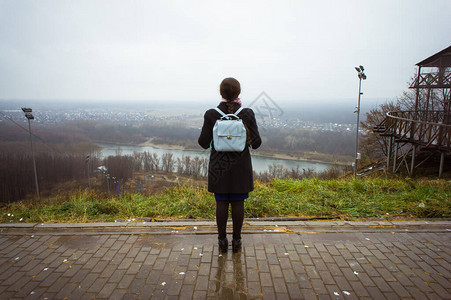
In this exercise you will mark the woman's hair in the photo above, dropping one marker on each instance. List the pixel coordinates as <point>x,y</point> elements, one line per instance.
<point>230,89</point>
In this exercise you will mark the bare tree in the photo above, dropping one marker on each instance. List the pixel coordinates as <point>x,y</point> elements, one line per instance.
<point>205,162</point>
<point>179,165</point>
<point>276,171</point>
<point>187,165</point>
<point>196,166</point>
<point>167,161</point>
<point>120,167</point>
<point>372,145</point>
<point>155,162</point>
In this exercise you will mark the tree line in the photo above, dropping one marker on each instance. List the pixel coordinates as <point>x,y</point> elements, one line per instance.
<point>279,171</point>
<point>124,166</point>
<point>17,180</point>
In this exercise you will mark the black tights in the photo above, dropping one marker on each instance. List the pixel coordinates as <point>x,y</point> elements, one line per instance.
<point>222,214</point>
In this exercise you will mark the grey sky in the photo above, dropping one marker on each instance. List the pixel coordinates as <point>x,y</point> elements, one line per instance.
<point>181,50</point>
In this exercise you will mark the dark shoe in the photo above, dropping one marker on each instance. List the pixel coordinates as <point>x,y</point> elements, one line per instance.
<point>236,245</point>
<point>223,245</point>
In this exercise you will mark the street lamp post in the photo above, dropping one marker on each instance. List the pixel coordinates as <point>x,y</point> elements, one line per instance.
<point>30,117</point>
<point>361,75</point>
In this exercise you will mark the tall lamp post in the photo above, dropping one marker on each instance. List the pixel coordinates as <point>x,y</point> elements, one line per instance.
<point>29,117</point>
<point>361,75</point>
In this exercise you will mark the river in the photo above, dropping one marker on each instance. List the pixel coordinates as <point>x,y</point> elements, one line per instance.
<point>259,163</point>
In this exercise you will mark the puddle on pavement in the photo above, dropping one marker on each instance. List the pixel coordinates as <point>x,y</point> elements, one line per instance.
<point>332,237</point>
<point>175,240</point>
<point>82,242</point>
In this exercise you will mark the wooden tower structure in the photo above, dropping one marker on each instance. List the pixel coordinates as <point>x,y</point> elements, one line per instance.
<point>414,136</point>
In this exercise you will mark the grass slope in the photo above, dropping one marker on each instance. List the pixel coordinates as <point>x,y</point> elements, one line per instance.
<point>343,198</point>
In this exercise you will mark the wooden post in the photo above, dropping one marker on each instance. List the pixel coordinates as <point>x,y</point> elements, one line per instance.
<point>415,113</point>
<point>389,146</point>
<point>394,158</point>
<point>442,160</point>
<point>412,165</point>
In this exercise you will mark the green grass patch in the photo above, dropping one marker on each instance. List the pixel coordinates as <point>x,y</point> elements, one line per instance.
<point>342,198</point>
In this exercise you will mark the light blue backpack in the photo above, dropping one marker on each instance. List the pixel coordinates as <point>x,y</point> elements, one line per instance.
<point>229,133</point>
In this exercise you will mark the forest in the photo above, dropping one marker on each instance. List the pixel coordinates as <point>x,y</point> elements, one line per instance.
<point>17,180</point>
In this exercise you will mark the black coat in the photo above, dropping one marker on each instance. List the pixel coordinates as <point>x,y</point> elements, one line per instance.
<point>230,172</point>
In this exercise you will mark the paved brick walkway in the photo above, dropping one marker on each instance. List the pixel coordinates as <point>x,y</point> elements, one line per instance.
<point>309,261</point>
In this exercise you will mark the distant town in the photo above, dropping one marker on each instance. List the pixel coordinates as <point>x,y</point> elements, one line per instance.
<point>133,117</point>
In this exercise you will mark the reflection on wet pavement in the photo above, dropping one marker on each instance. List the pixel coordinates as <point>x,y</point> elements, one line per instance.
<point>230,278</point>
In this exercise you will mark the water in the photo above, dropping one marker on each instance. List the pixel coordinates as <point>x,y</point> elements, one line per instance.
<point>259,163</point>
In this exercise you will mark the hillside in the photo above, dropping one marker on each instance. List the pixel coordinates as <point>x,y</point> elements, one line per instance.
<point>310,197</point>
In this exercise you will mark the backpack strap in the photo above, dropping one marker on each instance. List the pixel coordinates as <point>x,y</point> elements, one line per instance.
<point>220,111</point>
<point>238,111</point>
<point>225,115</point>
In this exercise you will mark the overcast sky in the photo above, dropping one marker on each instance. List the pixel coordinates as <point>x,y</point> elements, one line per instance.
<point>180,50</point>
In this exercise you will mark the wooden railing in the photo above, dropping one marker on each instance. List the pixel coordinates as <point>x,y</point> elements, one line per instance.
<point>433,80</point>
<point>423,128</point>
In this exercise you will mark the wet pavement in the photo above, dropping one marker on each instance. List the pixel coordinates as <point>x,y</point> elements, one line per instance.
<point>180,260</point>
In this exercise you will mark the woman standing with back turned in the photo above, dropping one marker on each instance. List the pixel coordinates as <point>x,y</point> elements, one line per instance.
<point>230,175</point>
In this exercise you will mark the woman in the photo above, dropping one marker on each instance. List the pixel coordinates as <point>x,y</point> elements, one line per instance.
<point>230,173</point>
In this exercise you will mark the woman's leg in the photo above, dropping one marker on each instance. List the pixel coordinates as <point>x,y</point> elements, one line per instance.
<point>222,213</point>
<point>237,217</point>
